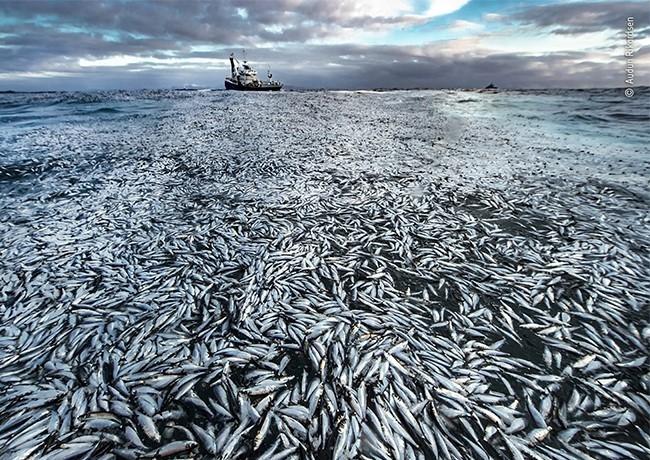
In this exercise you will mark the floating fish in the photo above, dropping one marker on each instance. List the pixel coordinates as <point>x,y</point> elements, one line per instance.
<point>209,281</point>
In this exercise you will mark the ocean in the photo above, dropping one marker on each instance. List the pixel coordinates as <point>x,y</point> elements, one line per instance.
<point>325,274</point>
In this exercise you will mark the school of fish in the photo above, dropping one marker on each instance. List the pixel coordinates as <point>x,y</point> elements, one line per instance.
<point>318,276</point>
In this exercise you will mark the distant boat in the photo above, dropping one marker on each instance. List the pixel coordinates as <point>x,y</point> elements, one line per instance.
<point>244,78</point>
<point>491,88</point>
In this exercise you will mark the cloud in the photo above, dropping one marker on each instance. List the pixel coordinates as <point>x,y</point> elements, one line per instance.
<point>584,17</point>
<point>72,44</point>
<point>47,35</point>
<point>456,63</point>
<point>461,25</point>
<point>492,17</point>
<point>442,7</point>
<point>241,22</point>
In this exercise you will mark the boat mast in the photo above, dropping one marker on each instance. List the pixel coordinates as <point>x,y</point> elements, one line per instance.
<point>232,65</point>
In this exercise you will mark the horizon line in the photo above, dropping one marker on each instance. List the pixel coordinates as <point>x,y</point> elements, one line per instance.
<point>298,88</point>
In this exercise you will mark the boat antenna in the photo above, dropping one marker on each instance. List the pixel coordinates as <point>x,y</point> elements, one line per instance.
<point>268,71</point>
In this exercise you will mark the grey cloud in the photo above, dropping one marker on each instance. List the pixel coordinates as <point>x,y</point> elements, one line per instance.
<point>200,20</point>
<point>365,67</point>
<point>584,17</point>
<point>67,31</point>
<point>643,52</point>
<point>438,71</point>
<point>642,33</point>
<point>35,47</point>
<point>215,22</point>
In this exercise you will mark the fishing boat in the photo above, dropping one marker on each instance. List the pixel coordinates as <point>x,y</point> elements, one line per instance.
<point>244,78</point>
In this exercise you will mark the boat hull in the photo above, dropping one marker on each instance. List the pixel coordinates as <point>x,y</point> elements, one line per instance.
<point>263,87</point>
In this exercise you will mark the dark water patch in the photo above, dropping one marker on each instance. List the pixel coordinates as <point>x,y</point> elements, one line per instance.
<point>588,118</point>
<point>102,111</point>
<point>404,281</point>
<point>620,191</point>
<point>627,116</point>
<point>530,348</point>
<point>27,119</point>
<point>10,172</point>
<point>4,105</point>
<point>516,222</point>
<point>299,363</point>
<point>523,224</point>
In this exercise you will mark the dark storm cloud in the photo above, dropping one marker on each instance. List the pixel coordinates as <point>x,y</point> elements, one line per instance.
<point>199,20</point>
<point>583,17</point>
<point>386,67</point>
<point>40,31</point>
<point>42,49</point>
<point>177,20</point>
<point>34,43</point>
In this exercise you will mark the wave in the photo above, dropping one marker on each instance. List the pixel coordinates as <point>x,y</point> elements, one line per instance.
<point>628,116</point>
<point>610,117</point>
<point>588,118</point>
<point>103,110</point>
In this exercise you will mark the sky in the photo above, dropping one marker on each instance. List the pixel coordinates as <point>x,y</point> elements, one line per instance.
<point>115,44</point>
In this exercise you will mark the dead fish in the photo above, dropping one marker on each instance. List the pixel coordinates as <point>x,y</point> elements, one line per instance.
<point>227,286</point>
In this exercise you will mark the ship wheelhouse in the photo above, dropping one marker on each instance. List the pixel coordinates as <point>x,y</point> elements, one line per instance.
<point>244,77</point>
